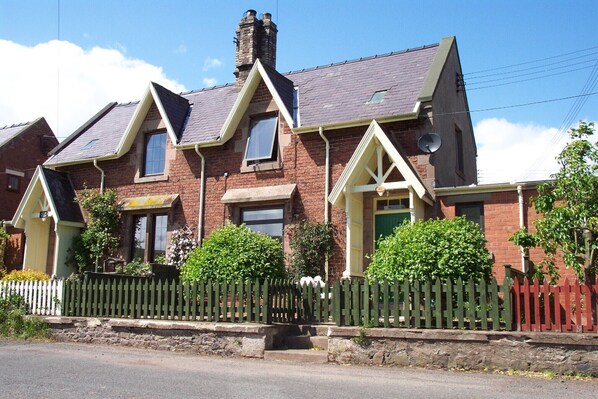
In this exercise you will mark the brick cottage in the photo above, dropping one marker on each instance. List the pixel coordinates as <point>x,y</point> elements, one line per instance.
<point>334,143</point>
<point>22,147</point>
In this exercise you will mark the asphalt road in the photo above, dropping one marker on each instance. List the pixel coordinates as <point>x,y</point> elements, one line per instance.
<point>56,370</point>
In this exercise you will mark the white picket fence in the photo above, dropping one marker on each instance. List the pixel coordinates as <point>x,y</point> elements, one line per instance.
<point>41,297</point>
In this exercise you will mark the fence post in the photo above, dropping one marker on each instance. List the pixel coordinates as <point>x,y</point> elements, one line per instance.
<point>267,298</point>
<point>508,308</point>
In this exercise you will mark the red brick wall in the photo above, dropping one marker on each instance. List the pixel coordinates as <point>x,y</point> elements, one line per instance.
<point>23,154</point>
<point>501,220</point>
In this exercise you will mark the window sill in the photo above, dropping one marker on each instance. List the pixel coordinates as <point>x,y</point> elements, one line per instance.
<point>260,167</point>
<point>150,179</point>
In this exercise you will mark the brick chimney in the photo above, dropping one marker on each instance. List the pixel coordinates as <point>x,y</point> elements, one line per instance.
<point>255,39</point>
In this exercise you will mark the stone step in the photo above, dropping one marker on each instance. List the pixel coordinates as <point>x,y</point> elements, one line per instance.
<point>306,342</point>
<point>297,355</point>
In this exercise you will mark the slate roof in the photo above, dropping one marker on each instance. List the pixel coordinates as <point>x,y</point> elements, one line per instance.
<point>336,93</point>
<point>63,195</point>
<point>107,130</point>
<point>175,106</point>
<point>8,133</point>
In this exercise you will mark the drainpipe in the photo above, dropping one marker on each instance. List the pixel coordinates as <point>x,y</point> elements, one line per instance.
<point>201,196</point>
<point>95,164</point>
<point>521,225</point>
<point>326,188</point>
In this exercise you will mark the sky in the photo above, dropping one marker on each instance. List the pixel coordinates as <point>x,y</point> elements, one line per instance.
<point>66,59</point>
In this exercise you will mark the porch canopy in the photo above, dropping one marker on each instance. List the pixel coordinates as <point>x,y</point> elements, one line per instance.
<point>51,218</point>
<point>376,166</point>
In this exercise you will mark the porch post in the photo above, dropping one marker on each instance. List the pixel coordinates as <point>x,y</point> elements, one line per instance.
<point>347,272</point>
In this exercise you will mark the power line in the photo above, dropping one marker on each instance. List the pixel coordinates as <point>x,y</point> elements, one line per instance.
<point>531,62</point>
<point>519,105</point>
<point>527,80</point>
<point>530,68</point>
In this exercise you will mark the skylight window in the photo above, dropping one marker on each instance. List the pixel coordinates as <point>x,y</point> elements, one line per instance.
<point>90,145</point>
<point>377,97</point>
<point>262,136</point>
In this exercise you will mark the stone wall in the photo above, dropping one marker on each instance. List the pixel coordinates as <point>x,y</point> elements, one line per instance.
<point>561,353</point>
<point>246,340</point>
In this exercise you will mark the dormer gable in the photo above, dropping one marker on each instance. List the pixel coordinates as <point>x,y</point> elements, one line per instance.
<point>172,108</point>
<point>279,87</point>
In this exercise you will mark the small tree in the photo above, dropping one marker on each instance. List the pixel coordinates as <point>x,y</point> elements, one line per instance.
<point>569,208</point>
<point>430,249</point>
<point>311,244</point>
<point>99,238</point>
<point>3,238</point>
<point>235,253</point>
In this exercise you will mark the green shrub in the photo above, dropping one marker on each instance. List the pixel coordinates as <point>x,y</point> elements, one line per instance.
<point>135,268</point>
<point>430,249</point>
<point>311,243</point>
<point>235,253</point>
<point>13,322</point>
<point>26,275</point>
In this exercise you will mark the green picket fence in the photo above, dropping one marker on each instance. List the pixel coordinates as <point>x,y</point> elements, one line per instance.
<point>441,304</point>
<point>144,298</point>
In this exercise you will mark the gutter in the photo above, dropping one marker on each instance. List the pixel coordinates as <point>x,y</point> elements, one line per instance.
<point>326,188</point>
<point>201,196</point>
<point>358,122</point>
<point>95,164</point>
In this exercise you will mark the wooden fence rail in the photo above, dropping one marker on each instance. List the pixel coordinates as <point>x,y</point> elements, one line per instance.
<point>41,297</point>
<point>569,306</point>
<point>140,298</point>
<point>514,305</point>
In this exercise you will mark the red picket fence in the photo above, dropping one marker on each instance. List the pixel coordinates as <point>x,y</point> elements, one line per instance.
<point>569,306</point>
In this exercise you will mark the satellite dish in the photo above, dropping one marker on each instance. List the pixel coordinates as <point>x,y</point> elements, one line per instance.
<point>429,143</point>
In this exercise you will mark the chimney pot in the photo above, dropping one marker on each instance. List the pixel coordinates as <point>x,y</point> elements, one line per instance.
<point>256,38</point>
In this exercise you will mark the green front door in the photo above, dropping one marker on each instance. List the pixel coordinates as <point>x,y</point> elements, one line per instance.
<point>385,223</point>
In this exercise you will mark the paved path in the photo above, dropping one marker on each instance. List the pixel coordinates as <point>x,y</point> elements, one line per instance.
<point>56,370</point>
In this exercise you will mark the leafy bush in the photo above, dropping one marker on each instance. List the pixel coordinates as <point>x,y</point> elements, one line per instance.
<point>430,249</point>
<point>311,244</point>
<point>99,238</point>
<point>135,268</point>
<point>4,236</point>
<point>26,275</point>
<point>235,253</point>
<point>13,322</point>
<point>182,244</point>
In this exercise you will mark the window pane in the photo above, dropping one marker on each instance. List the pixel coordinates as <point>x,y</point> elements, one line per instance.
<point>260,143</point>
<point>160,236</point>
<point>13,183</point>
<point>261,214</point>
<point>139,237</point>
<point>472,212</point>
<point>272,229</point>
<point>155,153</point>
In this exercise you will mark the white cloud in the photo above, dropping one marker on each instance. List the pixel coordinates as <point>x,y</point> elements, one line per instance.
<point>210,63</point>
<point>209,82</point>
<point>86,81</point>
<point>181,49</point>
<point>510,152</point>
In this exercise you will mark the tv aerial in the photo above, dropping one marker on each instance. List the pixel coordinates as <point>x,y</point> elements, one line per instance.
<point>429,143</point>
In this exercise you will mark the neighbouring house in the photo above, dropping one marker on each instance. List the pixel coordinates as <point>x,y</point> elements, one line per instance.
<point>22,148</point>
<point>339,143</point>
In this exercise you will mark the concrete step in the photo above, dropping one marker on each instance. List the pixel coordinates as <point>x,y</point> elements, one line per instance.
<point>297,355</point>
<point>306,342</point>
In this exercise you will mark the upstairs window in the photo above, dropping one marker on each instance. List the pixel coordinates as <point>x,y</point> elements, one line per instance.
<point>262,139</point>
<point>13,183</point>
<point>155,153</point>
